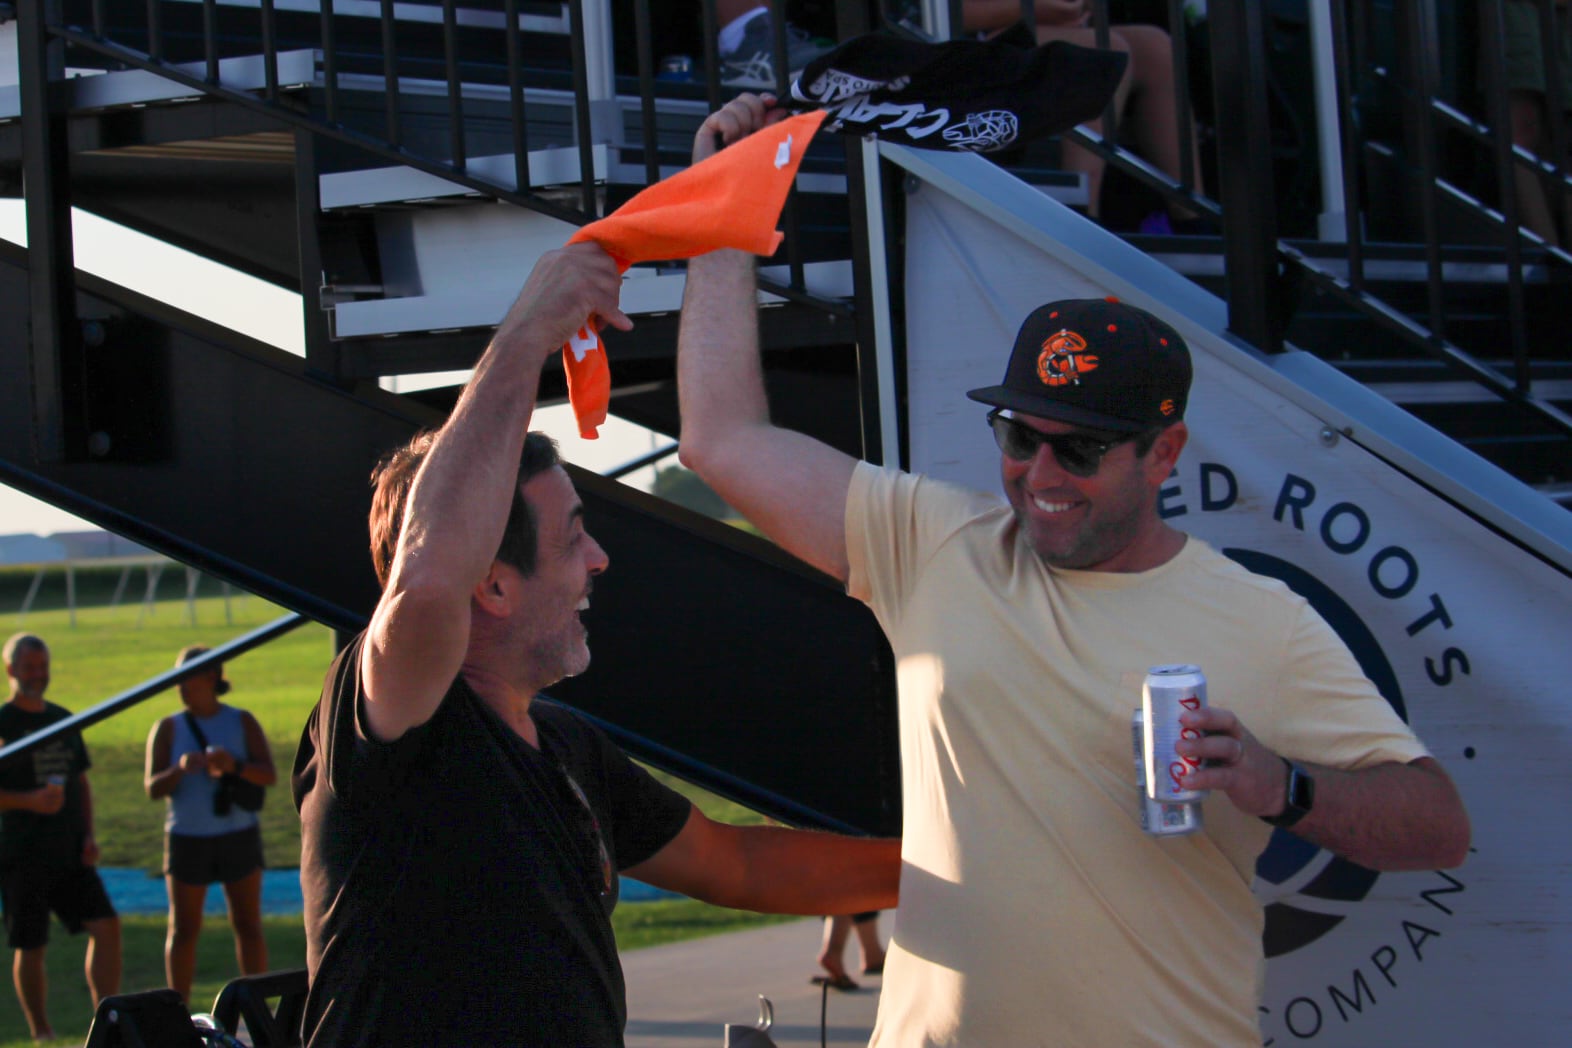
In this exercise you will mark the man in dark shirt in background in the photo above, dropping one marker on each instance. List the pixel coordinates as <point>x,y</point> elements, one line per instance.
<point>47,851</point>
<point>462,837</point>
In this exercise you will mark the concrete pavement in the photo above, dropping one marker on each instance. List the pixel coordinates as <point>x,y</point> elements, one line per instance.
<point>684,994</point>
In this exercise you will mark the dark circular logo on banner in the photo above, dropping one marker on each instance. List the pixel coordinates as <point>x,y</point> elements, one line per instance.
<point>1306,890</point>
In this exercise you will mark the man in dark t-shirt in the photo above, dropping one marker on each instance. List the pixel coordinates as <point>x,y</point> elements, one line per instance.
<point>47,851</point>
<point>462,837</point>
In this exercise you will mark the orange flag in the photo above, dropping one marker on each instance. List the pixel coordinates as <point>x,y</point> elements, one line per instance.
<point>732,199</point>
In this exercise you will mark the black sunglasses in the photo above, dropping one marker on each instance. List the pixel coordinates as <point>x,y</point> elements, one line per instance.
<point>1078,454</point>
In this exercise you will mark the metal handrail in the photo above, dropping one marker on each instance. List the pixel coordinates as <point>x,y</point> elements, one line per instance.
<point>390,147</point>
<point>1347,39</point>
<point>1350,291</point>
<point>147,689</point>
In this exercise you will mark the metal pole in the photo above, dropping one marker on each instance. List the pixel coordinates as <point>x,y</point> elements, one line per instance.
<point>1331,224</point>
<point>1419,36</point>
<point>126,699</point>
<point>1244,162</point>
<point>1344,52</point>
<point>583,113</point>
<point>875,293</point>
<point>456,148</point>
<point>321,352</point>
<point>58,380</point>
<point>1492,42</point>
<point>515,50</point>
<point>600,72</point>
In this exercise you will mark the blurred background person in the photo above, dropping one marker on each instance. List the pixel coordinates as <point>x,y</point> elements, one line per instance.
<point>832,954</point>
<point>1531,109</point>
<point>48,855</point>
<point>207,837</point>
<point>1144,105</point>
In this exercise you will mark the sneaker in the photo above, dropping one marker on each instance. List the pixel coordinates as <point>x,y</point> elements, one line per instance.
<point>752,65</point>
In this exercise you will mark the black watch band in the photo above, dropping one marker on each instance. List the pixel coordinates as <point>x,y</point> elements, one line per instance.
<point>1298,796</point>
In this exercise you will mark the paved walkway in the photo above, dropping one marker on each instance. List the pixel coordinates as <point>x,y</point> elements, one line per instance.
<point>683,995</point>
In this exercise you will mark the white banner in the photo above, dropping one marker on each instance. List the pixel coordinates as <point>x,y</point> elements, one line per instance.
<point>1464,630</point>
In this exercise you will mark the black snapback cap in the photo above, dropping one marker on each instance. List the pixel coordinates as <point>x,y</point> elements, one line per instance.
<point>1095,362</point>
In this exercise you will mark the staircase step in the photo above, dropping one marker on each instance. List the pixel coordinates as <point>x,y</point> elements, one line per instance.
<point>1432,381</point>
<point>134,88</point>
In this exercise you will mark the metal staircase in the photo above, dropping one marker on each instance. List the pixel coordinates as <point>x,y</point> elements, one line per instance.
<point>401,165</point>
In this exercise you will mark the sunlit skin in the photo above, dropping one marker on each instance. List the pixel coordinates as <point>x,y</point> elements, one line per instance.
<point>1105,522</point>
<point>558,592</point>
<point>199,692</point>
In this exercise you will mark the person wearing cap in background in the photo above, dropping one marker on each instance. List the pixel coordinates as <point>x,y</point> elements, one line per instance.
<point>205,842</point>
<point>48,854</point>
<point>1033,908</point>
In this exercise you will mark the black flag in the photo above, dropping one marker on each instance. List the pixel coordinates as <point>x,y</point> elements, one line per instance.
<point>969,95</point>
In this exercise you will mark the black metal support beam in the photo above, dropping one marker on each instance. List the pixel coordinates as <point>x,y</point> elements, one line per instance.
<point>857,176</point>
<point>1244,161</point>
<point>321,353</point>
<point>716,655</point>
<point>56,358</point>
<point>146,690</point>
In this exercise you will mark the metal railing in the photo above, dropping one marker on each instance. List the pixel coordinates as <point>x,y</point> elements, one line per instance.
<point>572,49</point>
<point>154,686</point>
<point>1261,265</point>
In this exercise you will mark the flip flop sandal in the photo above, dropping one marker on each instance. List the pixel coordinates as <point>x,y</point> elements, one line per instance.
<point>843,983</point>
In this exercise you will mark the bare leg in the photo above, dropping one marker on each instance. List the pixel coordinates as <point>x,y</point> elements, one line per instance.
<point>868,945</point>
<point>185,928</point>
<point>1075,158</point>
<point>832,953</point>
<point>32,989</point>
<point>1528,131</point>
<point>1154,98</point>
<point>245,917</point>
<point>102,963</point>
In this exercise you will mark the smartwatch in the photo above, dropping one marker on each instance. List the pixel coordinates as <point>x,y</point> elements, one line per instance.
<point>1298,797</point>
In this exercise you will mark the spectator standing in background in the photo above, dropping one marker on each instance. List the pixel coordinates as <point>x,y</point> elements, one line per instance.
<point>203,844</point>
<point>48,856</point>
<point>1532,109</point>
<point>1145,104</point>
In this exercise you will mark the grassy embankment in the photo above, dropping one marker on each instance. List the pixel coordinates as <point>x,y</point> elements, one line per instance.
<point>111,649</point>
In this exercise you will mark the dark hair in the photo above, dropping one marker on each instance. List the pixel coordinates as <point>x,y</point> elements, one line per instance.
<point>22,642</point>
<point>395,474</point>
<point>1146,438</point>
<point>1140,442</point>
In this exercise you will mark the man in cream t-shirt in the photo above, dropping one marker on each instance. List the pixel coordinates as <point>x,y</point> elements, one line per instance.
<point>1034,909</point>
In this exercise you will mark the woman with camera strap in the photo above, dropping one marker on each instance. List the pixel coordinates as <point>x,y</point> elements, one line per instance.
<point>210,762</point>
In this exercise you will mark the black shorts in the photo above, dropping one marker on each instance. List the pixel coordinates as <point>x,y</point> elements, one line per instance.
<point>206,860</point>
<point>75,894</point>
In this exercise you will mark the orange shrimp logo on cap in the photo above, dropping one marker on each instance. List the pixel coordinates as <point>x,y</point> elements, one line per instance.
<point>1064,359</point>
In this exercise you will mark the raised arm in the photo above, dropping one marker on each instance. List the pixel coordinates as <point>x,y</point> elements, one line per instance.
<point>791,486</point>
<point>459,502</point>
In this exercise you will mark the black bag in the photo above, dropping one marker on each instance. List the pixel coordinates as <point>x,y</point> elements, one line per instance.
<point>232,789</point>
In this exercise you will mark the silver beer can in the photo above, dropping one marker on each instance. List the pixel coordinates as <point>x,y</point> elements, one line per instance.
<point>1168,692</point>
<point>1158,818</point>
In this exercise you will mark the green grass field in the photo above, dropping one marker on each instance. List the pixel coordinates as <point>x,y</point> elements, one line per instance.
<point>111,649</point>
